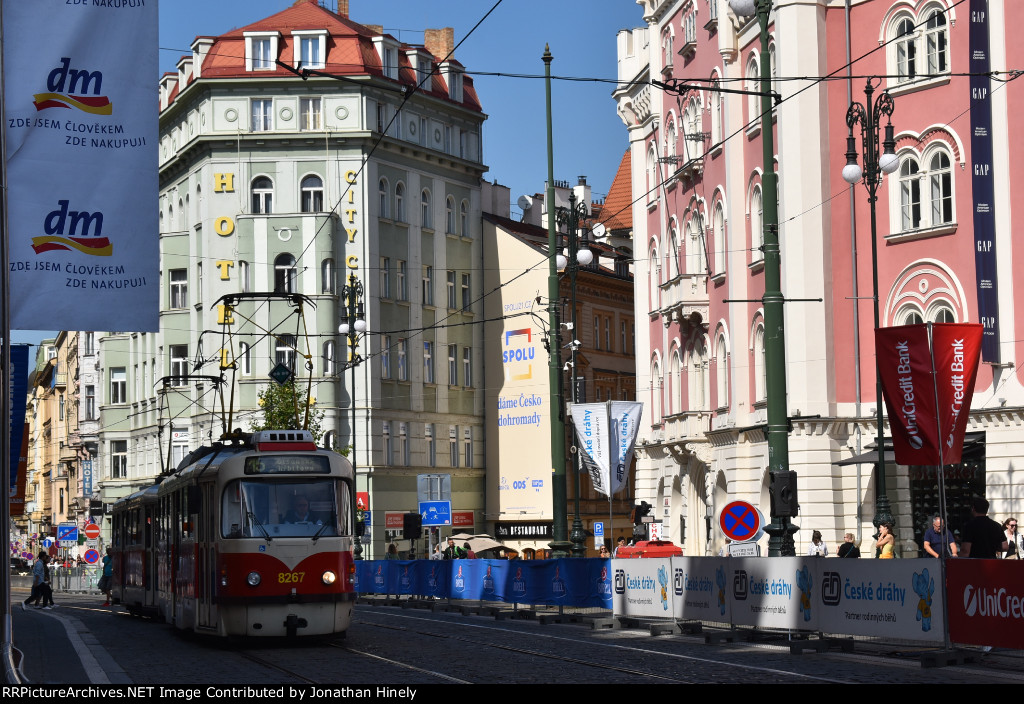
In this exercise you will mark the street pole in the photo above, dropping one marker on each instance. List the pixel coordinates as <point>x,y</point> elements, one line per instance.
<point>559,527</point>
<point>780,529</point>
<point>571,262</point>
<point>869,117</point>
<point>352,326</point>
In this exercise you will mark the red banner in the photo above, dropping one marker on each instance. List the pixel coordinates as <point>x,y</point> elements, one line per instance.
<point>985,602</point>
<point>910,388</point>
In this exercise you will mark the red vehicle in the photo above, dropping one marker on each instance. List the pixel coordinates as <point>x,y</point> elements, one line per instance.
<point>248,537</point>
<point>651,548</point>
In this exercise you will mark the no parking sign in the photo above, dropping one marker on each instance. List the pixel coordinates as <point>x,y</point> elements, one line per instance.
<point>741,521</point>
<point>91,556</point>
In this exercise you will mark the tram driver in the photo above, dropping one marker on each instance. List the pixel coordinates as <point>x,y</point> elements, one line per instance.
<point>300,513</point>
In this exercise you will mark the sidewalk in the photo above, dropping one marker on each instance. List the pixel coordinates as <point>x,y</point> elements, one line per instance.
<point>54,647</point>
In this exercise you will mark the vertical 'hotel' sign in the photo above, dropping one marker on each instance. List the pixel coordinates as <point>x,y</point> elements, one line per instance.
<point>983,180</point>
<point>81,147</point>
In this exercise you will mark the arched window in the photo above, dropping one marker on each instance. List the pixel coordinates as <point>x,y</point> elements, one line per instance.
<point>652,175</point>
<point>760,380</point>
<point>694,245</point>
<point>382,198</point>
<point>756,224</point>
<point>936,41</point>
<point>699,376</point>
<point>670,138</point>
<point>692,137</point>
<point>654,275</point>
<point>910,194</point>
<point>329,360</point>
<point>284,273</point>
<point>426,218</point>
<point>722,373</point>
<point>327,276</point>
<point>906,50</point>
<point>720,247</point>
<point>753,84</point>
<point>400,202</point>
<point>717,110</point>
<point>262,196</point>
<point>655,393</point>
<point>941,314</point>
<point>312,192</point>
<point>464,219</point>
<point>675,385</point>
<point>449,215</point>
<point>675,255</point>
<point>940,189</point>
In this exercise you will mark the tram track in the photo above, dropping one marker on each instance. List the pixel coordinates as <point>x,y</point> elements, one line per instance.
<point>603,666</point>
<point>630,649</point>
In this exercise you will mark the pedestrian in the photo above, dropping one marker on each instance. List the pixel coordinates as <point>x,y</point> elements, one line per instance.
<point>983,538</point>
<point>38,578</point>
<point>817,548</point>
<point>849,547</point>
<point>935,545</point>
<point>453,551</point>
<point>621,543</point>
<point>604,551</point>
<point>108,575</point>
<point>392,553</point>
<point>46,588</point>
<point>436,555</point>
<point>1014,540</point>
<point>470,555</point>
<point>885,542</point>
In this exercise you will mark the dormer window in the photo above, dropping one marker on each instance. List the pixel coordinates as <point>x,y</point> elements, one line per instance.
<point>310,50</point>
<point>421,62</point>
<point>387,50</point>
<point>260,51</point>
<point>452,74</point>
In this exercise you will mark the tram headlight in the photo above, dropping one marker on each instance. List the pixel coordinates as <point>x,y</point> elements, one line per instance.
<point>329,578</point>
<point>254,579</point>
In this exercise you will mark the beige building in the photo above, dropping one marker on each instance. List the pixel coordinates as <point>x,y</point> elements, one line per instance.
<point>519,492</point>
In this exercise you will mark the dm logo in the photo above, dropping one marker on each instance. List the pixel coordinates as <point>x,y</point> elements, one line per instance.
<point>71,88</point>
<point>85,232</point>
<point>517,354</point>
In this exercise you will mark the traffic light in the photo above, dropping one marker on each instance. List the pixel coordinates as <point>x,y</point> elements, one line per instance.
<point>782,492</point>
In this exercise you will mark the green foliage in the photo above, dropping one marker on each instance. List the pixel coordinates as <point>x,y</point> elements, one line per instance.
<point>283,407</point>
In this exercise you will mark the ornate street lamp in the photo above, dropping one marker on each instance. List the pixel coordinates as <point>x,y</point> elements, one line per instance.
<point>869,118</point>
<point>781,528</point>
<point>354,326</point>
<point>575,255</point>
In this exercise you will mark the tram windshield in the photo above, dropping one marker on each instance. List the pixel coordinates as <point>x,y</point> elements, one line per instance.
<point>293,508</point>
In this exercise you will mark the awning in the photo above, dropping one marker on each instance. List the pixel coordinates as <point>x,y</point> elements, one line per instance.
<point>974,448</point>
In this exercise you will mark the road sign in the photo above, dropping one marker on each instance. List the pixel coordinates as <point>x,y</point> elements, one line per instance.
<point>598,534</point>
<point>47,542</point>
<point>740,521</point>
<point>436,513</point>
<point>67,535</point>
<point>92,531</point>
<point>91,556</point>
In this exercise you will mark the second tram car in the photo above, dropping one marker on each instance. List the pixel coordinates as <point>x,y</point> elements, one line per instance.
<point>248,537</point>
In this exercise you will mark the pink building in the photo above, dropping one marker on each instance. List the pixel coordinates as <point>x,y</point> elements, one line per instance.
<point>942,217</point>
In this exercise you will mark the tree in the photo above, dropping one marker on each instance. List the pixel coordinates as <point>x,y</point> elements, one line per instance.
<point>283,407</point>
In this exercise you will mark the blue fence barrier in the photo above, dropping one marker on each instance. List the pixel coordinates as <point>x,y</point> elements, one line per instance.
<point>567,582</point>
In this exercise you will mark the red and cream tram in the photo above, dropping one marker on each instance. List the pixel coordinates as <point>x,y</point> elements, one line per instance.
<point>248,537</point>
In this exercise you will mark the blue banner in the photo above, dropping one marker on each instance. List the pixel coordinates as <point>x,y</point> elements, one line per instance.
<point>571,582</point>
<point>983,180</point>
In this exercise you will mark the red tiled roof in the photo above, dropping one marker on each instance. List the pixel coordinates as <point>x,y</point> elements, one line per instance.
<point>617,211</point>
<point>349,51</point>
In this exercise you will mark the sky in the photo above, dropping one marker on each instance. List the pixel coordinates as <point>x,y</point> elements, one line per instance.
<point>589,138</point>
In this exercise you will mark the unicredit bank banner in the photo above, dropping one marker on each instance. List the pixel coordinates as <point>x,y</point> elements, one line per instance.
<point>81,148</point>
<point>911,386</point>
<point>986,602</point>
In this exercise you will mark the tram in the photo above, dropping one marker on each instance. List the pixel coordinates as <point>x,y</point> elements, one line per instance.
<point>251,536</point>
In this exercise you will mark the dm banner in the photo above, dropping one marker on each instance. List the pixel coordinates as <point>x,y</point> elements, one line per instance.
<point>912,383</point>
<point>81,149</point>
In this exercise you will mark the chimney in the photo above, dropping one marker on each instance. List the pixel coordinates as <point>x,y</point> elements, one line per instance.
<point>343,8</point>
<point>439,42</point>
<point>375,28</point>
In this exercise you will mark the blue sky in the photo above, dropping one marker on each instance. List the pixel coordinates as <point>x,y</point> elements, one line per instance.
<point>589,138</point>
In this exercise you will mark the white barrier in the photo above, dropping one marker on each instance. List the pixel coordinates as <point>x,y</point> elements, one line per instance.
<point>898,598</point>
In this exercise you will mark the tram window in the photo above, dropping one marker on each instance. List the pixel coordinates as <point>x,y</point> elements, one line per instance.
<point>270,509</point>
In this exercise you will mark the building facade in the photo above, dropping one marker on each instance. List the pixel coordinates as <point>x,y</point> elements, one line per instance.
<point>517,343</point>
<point>698,220</point>
<point>365,171</point>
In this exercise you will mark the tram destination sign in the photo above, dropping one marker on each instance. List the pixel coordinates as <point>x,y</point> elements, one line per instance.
<point>288,464</point>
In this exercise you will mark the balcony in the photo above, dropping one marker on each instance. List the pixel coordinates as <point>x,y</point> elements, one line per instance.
<point>690,425</point>
<point>685,296</point>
